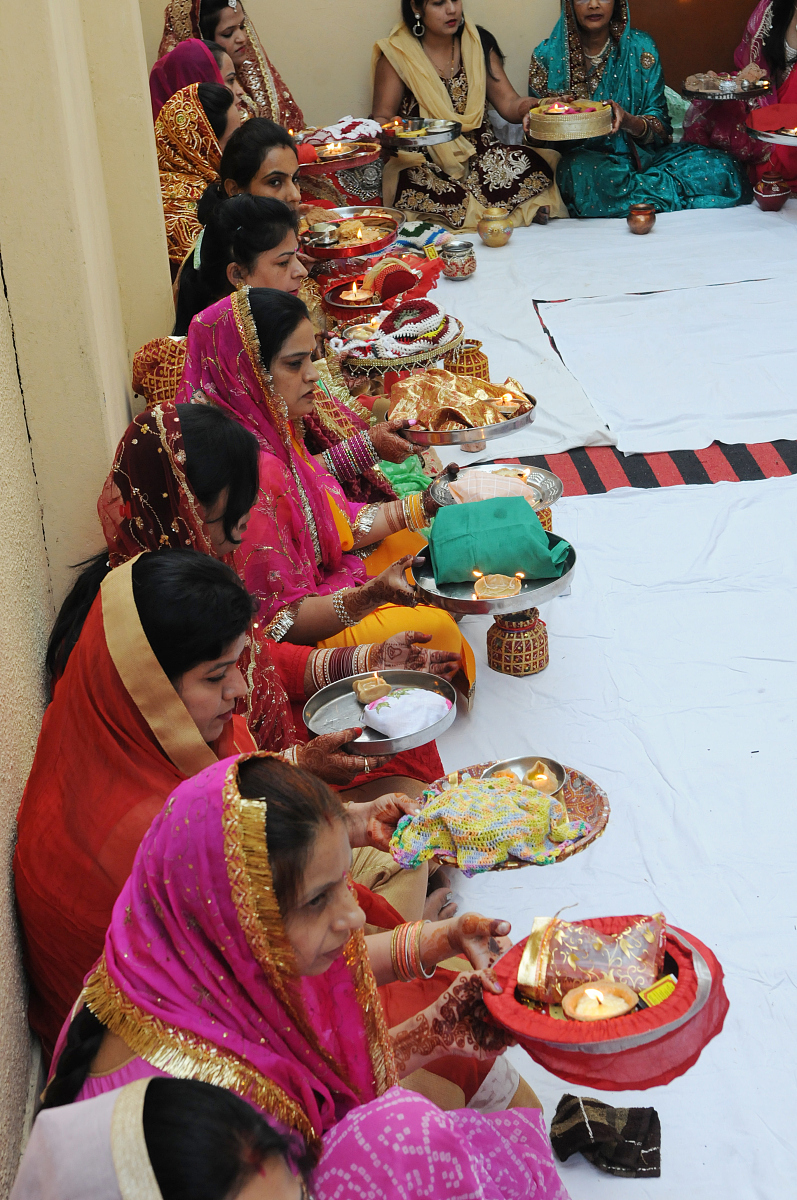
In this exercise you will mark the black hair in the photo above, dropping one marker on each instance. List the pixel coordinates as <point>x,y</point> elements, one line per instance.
<point>219,453</point>
<point>216,100</point>
<point>488,40</point>
<point>204,1142</point>
<point>276,315</point>
<point>298,805</point>
<point>217,51</point>
<point>774,43</point>
<point>191,607</point>
<point>209,17</point>
<point>248,146</point>
<point>237,230</point>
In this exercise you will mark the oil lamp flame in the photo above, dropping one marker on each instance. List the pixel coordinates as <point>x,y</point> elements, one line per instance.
<point>594,994</point>
<point>519,575</point>
<point>360,235</point>
<point>478,574</point>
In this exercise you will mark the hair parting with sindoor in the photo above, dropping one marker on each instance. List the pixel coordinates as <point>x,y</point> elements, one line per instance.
<point>237,230</point>
<point>209,11</point>
<point>410,9</point>
<point>298,805</point>
<point>216,100</point>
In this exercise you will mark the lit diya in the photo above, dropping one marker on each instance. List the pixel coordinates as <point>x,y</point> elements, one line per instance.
<point>497,587</point>
<point>600,1000</point>
<point>356,294</point>
<point>542,778</point>
<point>334,150</point>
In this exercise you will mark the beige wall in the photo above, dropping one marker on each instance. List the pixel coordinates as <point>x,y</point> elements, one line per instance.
<point>322,48</point>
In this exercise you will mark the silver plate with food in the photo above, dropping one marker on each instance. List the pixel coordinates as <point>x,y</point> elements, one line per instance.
<point>475,437</point>
<point>523,764</point>
<point>461,598</point>
<point>776,137</point>
<point>406,135</point>
<point>548,486</point>
<point>336,708</point>
<point>748,93</point>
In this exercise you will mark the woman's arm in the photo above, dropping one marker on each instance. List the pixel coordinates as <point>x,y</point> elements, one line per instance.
<point>503,97</point>
<point>470,935</point>
<point>388,92</point>
<point>317,617</point>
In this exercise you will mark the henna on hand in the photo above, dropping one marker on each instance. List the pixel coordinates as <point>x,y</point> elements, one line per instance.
<point>457,1023</point>
<point>402,652</point>
<point>389,444</point>
<point>391,587</point>
<point>324,757</point>
<point>469,934</point>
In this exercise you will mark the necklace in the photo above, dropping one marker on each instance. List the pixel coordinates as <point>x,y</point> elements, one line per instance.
<point>596,58</point>
<point>450,75</point>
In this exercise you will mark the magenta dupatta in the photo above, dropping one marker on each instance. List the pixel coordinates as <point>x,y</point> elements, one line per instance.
<point>292,547</point>
<point>197,974</point>
<point>189,62</point>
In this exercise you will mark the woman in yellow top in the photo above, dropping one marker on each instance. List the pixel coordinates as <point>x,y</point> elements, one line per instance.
<point>251,353</point>
<point>438,64</point>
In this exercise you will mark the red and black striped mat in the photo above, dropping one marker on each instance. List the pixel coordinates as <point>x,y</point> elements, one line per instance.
<point>596,469</point>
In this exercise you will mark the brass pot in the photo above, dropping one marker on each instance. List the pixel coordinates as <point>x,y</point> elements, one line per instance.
<point>495,228</point>
<point>641,218</point>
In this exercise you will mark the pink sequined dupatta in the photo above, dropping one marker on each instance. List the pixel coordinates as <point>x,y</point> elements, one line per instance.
<point>198,976</point>
<point>292,547</point>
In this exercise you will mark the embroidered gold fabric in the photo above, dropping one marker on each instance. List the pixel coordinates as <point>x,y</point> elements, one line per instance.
<point>134,1174</point>
<point>440,400</point>
<point>188,160</point>
<point>158,369</point>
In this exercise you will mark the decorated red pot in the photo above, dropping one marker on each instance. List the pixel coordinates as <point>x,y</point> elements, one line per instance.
<point>459,260</point>
<point>771,192</point>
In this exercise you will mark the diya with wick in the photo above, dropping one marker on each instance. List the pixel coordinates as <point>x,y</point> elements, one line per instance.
<point>600,1000</point>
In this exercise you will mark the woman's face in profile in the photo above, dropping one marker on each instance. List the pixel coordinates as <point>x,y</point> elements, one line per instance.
<point>231,34</point>
<point>278,268</point>
<point>277,177</point>
<point>294,372</point>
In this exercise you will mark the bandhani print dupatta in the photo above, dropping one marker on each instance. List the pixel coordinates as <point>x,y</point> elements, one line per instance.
<point>199,979</point>
<point>265,89</point>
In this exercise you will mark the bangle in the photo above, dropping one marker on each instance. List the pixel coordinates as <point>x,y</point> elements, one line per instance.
<point>405,952</point>
<point>364,521</point>
<point>394,515</point>
<point>642,137</point>
<point>414,515</point>
<point>362,659</point>
<point>339,605</point>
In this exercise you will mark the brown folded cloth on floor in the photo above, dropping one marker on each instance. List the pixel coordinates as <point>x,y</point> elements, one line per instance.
<point>621,1141</point>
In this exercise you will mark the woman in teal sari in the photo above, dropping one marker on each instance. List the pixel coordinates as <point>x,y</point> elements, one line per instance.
<point>593,53</point>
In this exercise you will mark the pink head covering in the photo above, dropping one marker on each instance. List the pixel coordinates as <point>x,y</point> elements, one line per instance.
<point>751,48</point>
<point>189,62</point>
<point>292,546</point>
<point>198,976</point>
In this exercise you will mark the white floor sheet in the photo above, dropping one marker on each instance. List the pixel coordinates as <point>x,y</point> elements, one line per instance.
<point>678,370</point>
<point>672,683</point>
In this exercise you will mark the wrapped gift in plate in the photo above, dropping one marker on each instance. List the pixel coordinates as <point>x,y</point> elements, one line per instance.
<point>493,537</point>
<point>440,400</point>
<point>640,1049</point>
<point>405,711</point>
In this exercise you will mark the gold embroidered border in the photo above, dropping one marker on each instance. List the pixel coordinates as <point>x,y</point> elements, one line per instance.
<point>380,1047</point>
<point>185,1055</point>
<point>134,1174</point>
<point>182,482</point>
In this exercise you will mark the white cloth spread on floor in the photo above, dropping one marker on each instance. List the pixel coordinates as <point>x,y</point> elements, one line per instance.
<point>672,684</point>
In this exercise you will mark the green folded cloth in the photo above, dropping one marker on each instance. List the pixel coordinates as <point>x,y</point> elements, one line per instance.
<point>407,477</point>
<point>492,537</point>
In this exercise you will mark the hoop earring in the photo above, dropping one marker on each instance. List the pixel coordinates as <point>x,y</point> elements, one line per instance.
<point>419,29</point>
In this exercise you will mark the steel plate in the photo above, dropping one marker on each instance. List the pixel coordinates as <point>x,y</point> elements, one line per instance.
<point>775,138</point>
<point>519,766</point>
<point>546,483</point>
<point>336,708</point>
<point>480,434</point>
<point>441,131</point>
<point>460,597</point>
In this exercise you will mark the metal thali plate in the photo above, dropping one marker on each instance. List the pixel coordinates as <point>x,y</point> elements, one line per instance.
<point>548,485</point>
<point>480,434</point>
<point>335,708</point>
<point>775,138</point>
<point>438,132</point>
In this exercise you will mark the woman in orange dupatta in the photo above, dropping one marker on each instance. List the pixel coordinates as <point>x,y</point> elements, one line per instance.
<point>225,22</point>
<point>124,728</point>
<point>191,131</point>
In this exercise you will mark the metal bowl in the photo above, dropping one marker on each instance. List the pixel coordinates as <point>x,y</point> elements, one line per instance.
<point>327,250</point>
<point>775,138</point>
<point>461,598</point>
<point>336,708</point>
<point>476,437</point>
<point>519,766</point>
<point>755,90</point>
<point>549,486</point>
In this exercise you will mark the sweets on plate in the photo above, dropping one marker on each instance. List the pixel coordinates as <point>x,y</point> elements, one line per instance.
<point>751,76</point>
<point>372,688</point>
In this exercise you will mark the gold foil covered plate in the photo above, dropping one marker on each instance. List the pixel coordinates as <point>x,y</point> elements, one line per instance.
<point>450,408</point>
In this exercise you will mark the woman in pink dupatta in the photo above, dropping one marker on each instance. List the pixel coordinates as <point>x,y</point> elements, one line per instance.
<point>304,536</point>
<point>236,956</point>
<point>726,124</point>
<point>190,62</point>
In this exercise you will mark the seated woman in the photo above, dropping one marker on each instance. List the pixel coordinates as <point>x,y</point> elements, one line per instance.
<point>252,355</point>
<point>192,62</point>
<point>227,23</point>
<point>191,131</point>
<point>164,1138</point>
<point>235,953</point>
<point>769,42</point>
<point>437,63</point>
<point>251,240</point>
<point>593,53</point>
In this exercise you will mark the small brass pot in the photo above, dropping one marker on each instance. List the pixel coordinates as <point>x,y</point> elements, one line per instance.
<point>495,228</point>
<point>641,218</point>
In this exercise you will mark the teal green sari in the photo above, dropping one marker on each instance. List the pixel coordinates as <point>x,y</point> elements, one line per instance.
<point>605,176</point>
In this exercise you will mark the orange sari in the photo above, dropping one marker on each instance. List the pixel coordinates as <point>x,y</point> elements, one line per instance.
<point>115,741</point>
<point>188,160</point>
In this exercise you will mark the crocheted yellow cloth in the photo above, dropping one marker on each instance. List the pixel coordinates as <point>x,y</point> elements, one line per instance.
<point>482,822</point>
